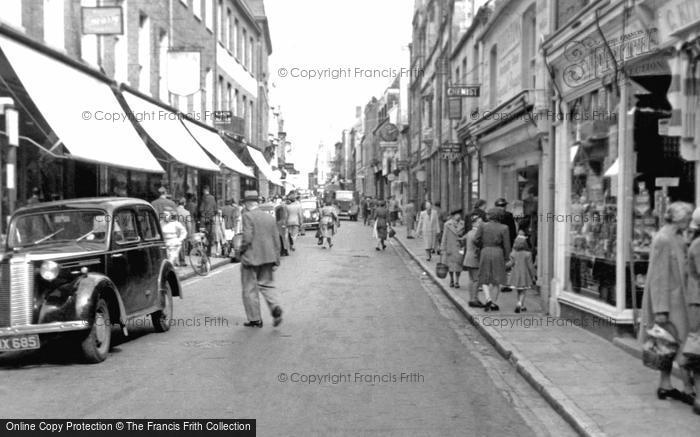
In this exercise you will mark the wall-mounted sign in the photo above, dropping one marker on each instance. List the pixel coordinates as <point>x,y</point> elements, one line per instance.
<point>102,20</point>
<point>464,91</point>
<point>454,106</point>
<point>184,72</point>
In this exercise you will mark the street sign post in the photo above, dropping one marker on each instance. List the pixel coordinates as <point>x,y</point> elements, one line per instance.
<point>464,91</point>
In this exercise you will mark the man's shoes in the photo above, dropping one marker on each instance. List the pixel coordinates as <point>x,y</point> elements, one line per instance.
<point>506,289</point>
<point>277,314</point>
<point>475,304</point>
<point>254,324</point>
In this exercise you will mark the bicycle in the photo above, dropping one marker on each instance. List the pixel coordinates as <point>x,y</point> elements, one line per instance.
<point>198,254</point>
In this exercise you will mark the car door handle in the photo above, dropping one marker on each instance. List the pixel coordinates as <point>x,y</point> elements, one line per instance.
<point>118,255</point>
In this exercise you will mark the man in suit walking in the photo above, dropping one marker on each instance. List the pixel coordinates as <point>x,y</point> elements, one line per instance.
<point>207,210</point>
<point>260,254</point>
<point>295,218</point>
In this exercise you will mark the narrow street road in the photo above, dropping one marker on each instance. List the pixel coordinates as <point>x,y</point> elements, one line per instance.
<point>355,320</point>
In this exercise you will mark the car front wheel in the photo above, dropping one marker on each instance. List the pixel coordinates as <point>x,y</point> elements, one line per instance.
<point>95,346</point>
<point>161,318</point>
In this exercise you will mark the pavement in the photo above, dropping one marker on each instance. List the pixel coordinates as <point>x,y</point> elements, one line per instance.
<point>367,347</point>
<point>598,387</point>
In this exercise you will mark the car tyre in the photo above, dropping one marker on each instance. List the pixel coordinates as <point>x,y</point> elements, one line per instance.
<point>161,318</point>
<point>95,347</point>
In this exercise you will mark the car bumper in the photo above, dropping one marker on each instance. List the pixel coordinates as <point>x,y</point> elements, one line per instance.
<point>45,328</point>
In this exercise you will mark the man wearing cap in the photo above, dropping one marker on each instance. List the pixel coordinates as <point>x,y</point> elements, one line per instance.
<point>162,203</point>
<point>507,219</point>
<point>260,254</point>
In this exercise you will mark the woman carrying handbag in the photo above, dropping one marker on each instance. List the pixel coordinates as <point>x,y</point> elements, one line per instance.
<point>691,349</point>
<point>664,301</point>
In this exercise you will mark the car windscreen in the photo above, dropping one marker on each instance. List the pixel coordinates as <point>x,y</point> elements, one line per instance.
<point>48,227</point>
<point>345,196</point>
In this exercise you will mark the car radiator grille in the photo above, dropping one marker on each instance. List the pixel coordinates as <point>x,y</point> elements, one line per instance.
<point>5,294</point>
<point>16,289</point>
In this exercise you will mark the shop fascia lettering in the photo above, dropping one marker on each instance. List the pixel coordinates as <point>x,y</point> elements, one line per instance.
<point>591,58</point>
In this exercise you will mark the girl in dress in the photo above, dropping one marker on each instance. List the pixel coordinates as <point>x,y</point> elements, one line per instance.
<point>523,275</point>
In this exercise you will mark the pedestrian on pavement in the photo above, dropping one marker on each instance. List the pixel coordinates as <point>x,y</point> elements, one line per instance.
<point>185,218</point>
<point>507,219</point>
<point>162,203</point>
<point>409,217</point>
<point>428,228</point>
<point>523,275</point>
<point>365,210</point>
<point>381,219</point>
<point>494,251</point>
<point>260,254</point>
<point>191,206</point>
<point>281,217</point>
<point>35,197</point>
<point>295,218</point>
<point>393,210</point>
<point>218,233</point>
<point>174,233</point>
<point>442,218</point>
<point>450,246</point>
<point>664,301</point>
<point>693,294</point>
<point>207,210</point>
<point>327,224</point>
<point>471,261</point>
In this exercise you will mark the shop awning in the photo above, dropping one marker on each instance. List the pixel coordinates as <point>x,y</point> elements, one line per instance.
<point>164,127</point>
<point>264,166</point>
<point>212,143</point>
<point>77,107</point>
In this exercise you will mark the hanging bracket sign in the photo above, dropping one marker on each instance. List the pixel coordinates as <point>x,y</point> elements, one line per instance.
<point>102,20</point>
<point>464,91</point>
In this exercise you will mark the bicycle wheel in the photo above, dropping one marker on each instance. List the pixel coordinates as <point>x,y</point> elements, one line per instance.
<point>199,261</point>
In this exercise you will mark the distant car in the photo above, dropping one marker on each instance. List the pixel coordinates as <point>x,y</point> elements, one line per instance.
<point>310,213</point>
<point>347,204</point>
<point>77,267</point>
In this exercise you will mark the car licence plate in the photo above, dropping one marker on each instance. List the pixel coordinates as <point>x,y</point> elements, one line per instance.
<point>19,342</point>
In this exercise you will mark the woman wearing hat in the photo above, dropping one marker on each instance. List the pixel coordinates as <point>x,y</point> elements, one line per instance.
<point>450,246</point>
<point>693,293</point>
<point>493,241</point>
<point>664,301</point>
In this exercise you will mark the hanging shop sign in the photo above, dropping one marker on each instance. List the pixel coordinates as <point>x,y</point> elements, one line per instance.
<point>102,20</point>
<point>454,107</point>
<point>451,151</point>
<point>389,132</point>
<point>184,72</point>
<point>464,91</point>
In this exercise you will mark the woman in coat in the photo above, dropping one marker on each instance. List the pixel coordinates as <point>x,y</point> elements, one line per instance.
<point>428,228</point>
<point>665,289</point>
<point>693,293</point>
<point>329,219</point>
<point>471,261</point>
<point>381,223</point>
<point>493,240</point>
<point>450,246</point>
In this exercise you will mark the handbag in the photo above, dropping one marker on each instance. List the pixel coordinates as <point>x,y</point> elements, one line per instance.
<point>392,233</point>
<point>691,351</point>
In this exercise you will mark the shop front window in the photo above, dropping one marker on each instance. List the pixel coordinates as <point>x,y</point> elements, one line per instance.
<point>592,215</point>
<point>474,178</point>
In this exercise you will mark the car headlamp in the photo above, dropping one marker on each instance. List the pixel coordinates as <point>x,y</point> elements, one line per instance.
<point>49,270</point>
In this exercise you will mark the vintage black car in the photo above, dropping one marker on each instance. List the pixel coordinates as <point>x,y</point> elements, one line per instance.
<point>77,267</point>
<point>310,213</point>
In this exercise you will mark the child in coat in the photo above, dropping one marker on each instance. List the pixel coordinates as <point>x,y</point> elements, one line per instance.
<point>523,275</point>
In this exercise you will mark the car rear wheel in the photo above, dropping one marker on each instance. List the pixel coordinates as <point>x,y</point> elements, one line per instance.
<point>95,346</point>
<point>161,318</point>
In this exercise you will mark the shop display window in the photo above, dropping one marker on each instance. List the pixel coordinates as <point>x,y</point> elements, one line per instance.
<point>592,216</point>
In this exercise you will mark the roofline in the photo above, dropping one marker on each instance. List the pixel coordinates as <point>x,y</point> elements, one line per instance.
<point>243,6</point>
